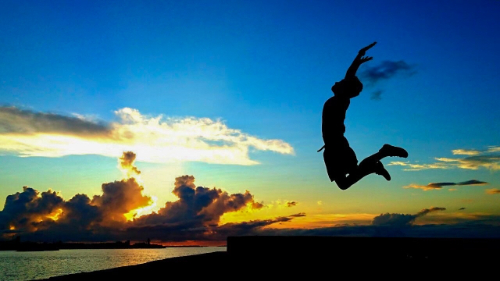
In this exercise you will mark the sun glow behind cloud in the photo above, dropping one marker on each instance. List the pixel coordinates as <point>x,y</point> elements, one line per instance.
<point>126,165</point>
<point>155,139</point>
<point>125,204</point>
<point>55,215</point>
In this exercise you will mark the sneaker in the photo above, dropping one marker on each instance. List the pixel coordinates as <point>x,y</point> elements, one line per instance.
<point>380,170</point>
<point>389,150</point>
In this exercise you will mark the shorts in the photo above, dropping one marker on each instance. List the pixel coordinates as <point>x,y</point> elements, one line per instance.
<point>339,158</point>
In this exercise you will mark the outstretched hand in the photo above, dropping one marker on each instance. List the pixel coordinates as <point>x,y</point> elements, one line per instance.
<point>365,59</point>
<point>362,52</point>
<point>360,59</point>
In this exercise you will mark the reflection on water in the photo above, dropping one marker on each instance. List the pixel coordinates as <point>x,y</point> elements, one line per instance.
<point>39,265</point>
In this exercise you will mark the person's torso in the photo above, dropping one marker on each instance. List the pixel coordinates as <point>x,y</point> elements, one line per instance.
<point>334,112</point>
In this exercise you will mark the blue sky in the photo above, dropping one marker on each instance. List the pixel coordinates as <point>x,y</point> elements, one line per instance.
<point>264,68</point>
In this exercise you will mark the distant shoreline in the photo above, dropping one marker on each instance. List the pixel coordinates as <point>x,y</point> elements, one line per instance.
<point>35,246</point>
<point>51,247</point>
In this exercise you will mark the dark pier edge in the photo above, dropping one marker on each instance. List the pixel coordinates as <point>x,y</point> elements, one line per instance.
<point>404,249</point>
<point>311,257</point>
<point>368,256</point>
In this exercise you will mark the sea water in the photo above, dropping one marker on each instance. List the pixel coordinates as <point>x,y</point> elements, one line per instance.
<point>44,264</point>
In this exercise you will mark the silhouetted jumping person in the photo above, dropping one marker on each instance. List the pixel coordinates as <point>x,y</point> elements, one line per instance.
<point>340,160</point>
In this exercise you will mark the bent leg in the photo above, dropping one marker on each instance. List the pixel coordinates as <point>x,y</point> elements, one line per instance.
<point>369,165</point>
<point>344,182</point>
<point>371,160</point>
<point>385,151</point>
<point>347,181</point>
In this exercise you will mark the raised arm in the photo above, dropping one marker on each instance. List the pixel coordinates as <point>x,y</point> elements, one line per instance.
<point>360,59</point>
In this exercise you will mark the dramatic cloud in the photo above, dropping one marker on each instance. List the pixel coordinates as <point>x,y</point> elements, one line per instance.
<point>80,213</point>
<point>291,203</point>
<point>198,205</point>
<point>439,185</point>
<point>117,212</point>
<point>30,211</point>
<point>402,219</point>
<point>475,159</point>
<point>493,191</point>
<point>193,217</point>
<point>155,139</point>
<point>119,198</point>
<point>26,210</point>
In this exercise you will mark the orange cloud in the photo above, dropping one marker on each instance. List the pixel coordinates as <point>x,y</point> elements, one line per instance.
<point>493,191</point>
<point>117,211</point>
<point>120,198</point>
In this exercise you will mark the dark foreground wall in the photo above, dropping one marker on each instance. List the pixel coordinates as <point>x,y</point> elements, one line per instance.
<point>364,248</point>
<point>367,256</point>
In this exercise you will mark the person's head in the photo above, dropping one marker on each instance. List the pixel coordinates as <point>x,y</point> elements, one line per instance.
<point>349,87</point>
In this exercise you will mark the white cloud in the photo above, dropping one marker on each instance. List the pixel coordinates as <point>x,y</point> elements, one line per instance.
<point>494,149</point>
<point>473,160</point>
<point>154,139</point>
<point>418,167</point>
<point>465,152</point>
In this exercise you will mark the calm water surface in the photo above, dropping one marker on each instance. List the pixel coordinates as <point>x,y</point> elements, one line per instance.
<point>39,265</point>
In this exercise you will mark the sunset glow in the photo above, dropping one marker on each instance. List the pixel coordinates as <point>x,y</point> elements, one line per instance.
<point>139,212</point>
